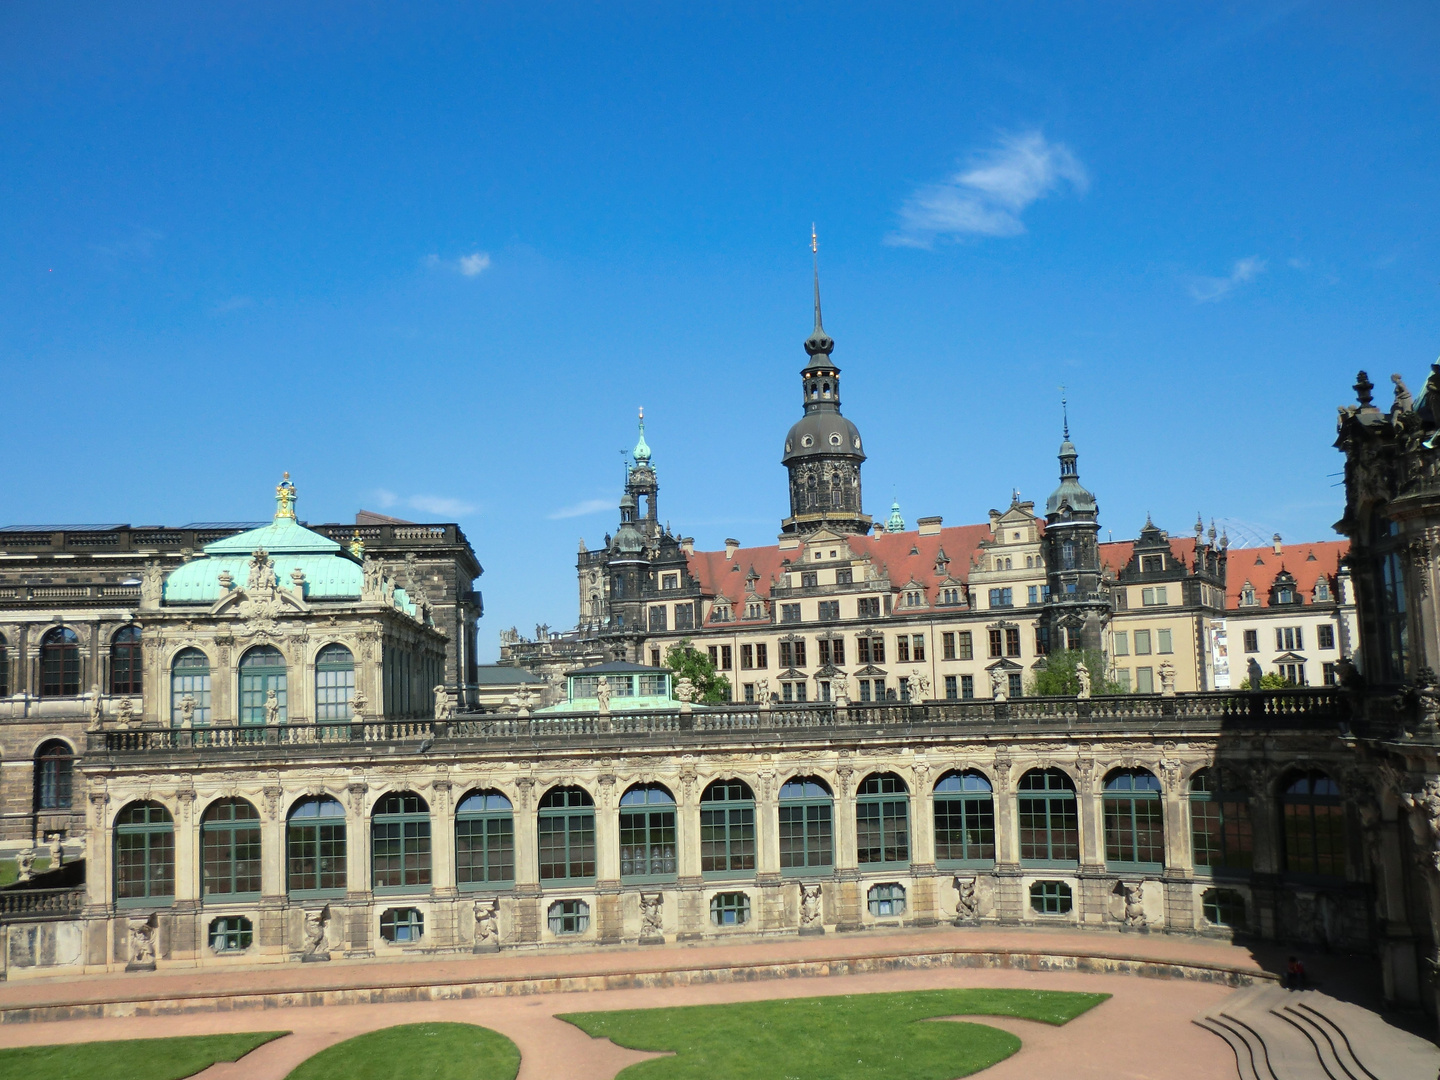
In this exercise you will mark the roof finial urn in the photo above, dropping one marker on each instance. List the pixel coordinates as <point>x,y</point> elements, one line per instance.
<point>285,499</point>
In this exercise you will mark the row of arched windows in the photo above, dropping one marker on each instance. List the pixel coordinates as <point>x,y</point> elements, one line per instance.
<point>60,663</point>
<point>484,833</point>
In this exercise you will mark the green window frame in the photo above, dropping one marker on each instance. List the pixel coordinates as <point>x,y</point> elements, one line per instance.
<point>54,776</point>
<point>886,900</point>
<point>231,934</point>
<point>4,667</point>
<point>1224,907</point>
<point>484,841</point>
<point>402,926</point>
<point>400,844</point>
<point>262,669</point>
<point>1221,837</point>
<point>144,856</point>
<point>230,851</point>
<point>807,826</point>
<point>60,663</point>
<point>647,834</point>
<point>568,917</point>
<point>964,820</point>
<point>1051,898</point>
<point>730,909</point>
<point>1134,821</point>
<point>125,663</point>
<point>334,682</point>
<point>567,835</point>
<point>190,677</point>
<point>727,829</point>
<point>315,848</point>
<point>1314,833</point>
<point>882,821</point>
<point>1049,819</point>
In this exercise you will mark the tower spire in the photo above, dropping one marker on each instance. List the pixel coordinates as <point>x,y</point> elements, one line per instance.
<point>818,341</point>
<point>1065,411</point>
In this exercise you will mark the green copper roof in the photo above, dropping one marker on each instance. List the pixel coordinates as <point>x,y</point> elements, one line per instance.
<point>641,453</point>
<point>895,523</point>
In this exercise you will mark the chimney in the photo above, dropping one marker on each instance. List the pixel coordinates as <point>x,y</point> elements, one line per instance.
<point>995,516</point>
<point>731,546</point>
<point>929,526</point>
<point>1279,548</point>
<point>687,545</point>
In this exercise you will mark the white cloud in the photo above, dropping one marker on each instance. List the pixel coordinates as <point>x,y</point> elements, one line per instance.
<point>472,265</point>
<point>385,499</point>
<point>1245,270</point>
<point>988,197</point>
<point>438,504</point>
<point>581,509</point>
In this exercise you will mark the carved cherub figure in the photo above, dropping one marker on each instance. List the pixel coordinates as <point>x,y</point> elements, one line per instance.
<point>1082,674</point>
<point>651,914</point>
<point>810,905</point>
<point>272,707</point>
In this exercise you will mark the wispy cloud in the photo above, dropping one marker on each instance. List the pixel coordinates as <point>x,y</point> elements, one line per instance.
<point>989,195</point>
<point>472,265</point>
<point>581,509</point>
<point>1298,263</point>
<point>428,504</point>
<point>1206,289</point>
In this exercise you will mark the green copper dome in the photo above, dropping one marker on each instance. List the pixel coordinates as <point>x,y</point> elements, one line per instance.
<point>641,453</point>
<point>895,523</point>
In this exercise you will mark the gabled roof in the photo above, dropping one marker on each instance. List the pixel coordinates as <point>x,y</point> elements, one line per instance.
<point>1260,566</point>
<point>1116,554</point>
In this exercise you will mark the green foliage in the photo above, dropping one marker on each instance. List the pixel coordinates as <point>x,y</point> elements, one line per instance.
<point>711,688</point>
<point>431,1051</point>
<point>1273,680</point>
<point>130,1059</point>
<point>1058,679</point>
<point>853,1037</point>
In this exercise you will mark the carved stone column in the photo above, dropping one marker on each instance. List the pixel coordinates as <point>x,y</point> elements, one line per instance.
<point>608,918</point>
<point>525,915</point>
<point>358,894</point>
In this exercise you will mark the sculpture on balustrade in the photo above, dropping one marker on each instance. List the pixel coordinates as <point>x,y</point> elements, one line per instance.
<point>317,943</point>
<point>261,581</point>
<point>25,864</point>
<point>919,685</point>
<point>487,926</point>
<point>998,680</point>
<point>652,921</point>
<point>358,703</point>
<point>57,850</point>
<point>187,711</point>
<point>124,713</point>
<point>602,694</point>
<point>142,943</point>
<point>152,585</point>
<point>1167,679</point>
<point>685,693</point>
<point>97,708</point>
<point>444,709</point>
<point>811,910</point>
<point>272,707</point>
<point>1082,674</point>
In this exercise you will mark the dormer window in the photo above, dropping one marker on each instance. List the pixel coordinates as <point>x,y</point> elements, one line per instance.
<point>669,581</point>
<point>754,611</point>
<point>914,599</point>
<point>1247,595</point>
<point>1322,591</point>
<point>1152,564</point>
<point>1284,595</point>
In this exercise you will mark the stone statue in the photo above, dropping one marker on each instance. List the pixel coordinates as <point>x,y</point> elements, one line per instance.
<point>811,912</point>
<point>317,944</point>
<point>1134,904</point>
<point>97,708</point>
<point>967,904</point>
<point>444,710</point>
<point>187,711</point>
<point>998,683</point>
<point>57,850</point>
<point>762,693</point>
<point>1082,674</point>
<point>487,925</point>
<point>652,921</point>
<point>142,944</point>
<point>262,573</point>
<point>25,864</point>
<point>1424,807</point>
<point>602,694</point>
<point>272,707</point>
<point>919,684</point>
<point>124,712</point>
<point>1167,679</point>
<point>358,702</point>
<point>684,690</point>
<point>152,585</point>
<point>1403,401</point>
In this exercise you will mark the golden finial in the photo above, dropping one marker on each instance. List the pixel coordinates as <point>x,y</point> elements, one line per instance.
<point>285,499</point>
<point>357,546</point>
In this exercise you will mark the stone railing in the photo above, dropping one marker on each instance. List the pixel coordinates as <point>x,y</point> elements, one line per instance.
<point>1323,709</point>
<point>38,905</point>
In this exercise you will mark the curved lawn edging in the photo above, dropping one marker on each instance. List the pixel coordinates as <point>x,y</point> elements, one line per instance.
<point>436,1051</point>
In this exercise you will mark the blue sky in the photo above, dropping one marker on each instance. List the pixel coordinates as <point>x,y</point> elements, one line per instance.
<point>431,258</point>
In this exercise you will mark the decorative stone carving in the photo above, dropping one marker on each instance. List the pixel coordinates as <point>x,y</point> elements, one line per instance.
<point>684,691</point>
<point>919,685</point>
<point>1082,674</point>
<point>97,708</point>
<point>124,712</point>
<point>967,901</point>
<point>152,585</point>
<point>142,943</point>
<point>1134,914</point>
<point>25,864</point>
<point>358,704</point>
<point>317,941</point>
<point>56,845</point>
<point>811,909</point>
<point>1424,808</point>
<point>226,579</point>
<point>187,711</point>
<point>652,921</point>
<point>272,708</point>
<point>260,584</point>
<point>487,925</point>
<point>1167,679</point>
<point>444,708</point>
<point>998,683</point>
<point>602,695</point>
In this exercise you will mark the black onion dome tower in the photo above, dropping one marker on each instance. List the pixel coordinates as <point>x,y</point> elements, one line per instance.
<point>823,453</point>
<point>1078,606</point>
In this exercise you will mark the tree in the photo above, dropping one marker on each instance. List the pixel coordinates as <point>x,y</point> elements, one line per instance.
<point>1057,677</point>
<point>711,688</point>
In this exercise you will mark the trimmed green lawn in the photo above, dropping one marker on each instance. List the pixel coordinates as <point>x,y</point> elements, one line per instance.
<point>10,870</point>
<point>416,1052</point>
<point>129,1059</point>
<point>853,1037</point>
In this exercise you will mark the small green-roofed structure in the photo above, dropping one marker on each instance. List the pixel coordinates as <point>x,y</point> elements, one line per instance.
<point>631,687</point>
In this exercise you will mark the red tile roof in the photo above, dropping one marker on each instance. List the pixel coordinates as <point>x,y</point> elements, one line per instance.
<point>1260,565</point>
<point>1116,554</point>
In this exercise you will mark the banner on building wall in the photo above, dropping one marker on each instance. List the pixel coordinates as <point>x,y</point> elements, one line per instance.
<point>1220,654</point>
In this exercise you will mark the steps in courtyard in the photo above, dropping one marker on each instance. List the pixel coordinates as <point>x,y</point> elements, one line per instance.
<point>1279,1034</point>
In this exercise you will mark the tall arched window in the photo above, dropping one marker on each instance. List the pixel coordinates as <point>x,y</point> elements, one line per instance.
<point>882,820</point>
<point>964,819</point>
<point>1134,829</point>
<point>230,851</point>
<point>807,826</point>
<point>54,773</point>
<point>484,840</point>
<point>315,848</point>
<point>125,666</point>
<point>567,835</point>
<point>262,672</point>
<point>1314,825</point>
<point>190,678</point>
<point>4,667</point>
<point>727,828</point>
<point>334,682</point>
<point>144,855</point>
<point>60,663</point>
<point>647,833</point>
<point>400,843</point>
<point>1049,822</point>
<point>1219,825</point>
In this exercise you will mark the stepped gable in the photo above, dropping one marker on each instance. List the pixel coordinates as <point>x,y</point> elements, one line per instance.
<point>1260,566</point>
<point>1115,555</point>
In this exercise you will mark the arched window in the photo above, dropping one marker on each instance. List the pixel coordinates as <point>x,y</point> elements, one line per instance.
<point>727,828</point>
<point>60,663</point>
<point>334,682</point>
<point>190,678</point>
<point>882,820</point>
<point>400,843</point>
<point>125,666</point>
<point>1049,822</point>
<point>4,667</point>
<point>230,851</point>
<point>647,833</point>
<point>1134,829</point>
<point>964,819</point>
<point>484,840</point>
<point>807,825</point>
<point>262,673</point>
<point>1314,826</point>
<point>54,775</point>
<point>315,848</point>
<point>144,855</point>
<point>567,835</point>
<point>1219,825</point>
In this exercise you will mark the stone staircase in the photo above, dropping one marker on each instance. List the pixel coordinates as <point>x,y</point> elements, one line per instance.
<point>1281,1034</point>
